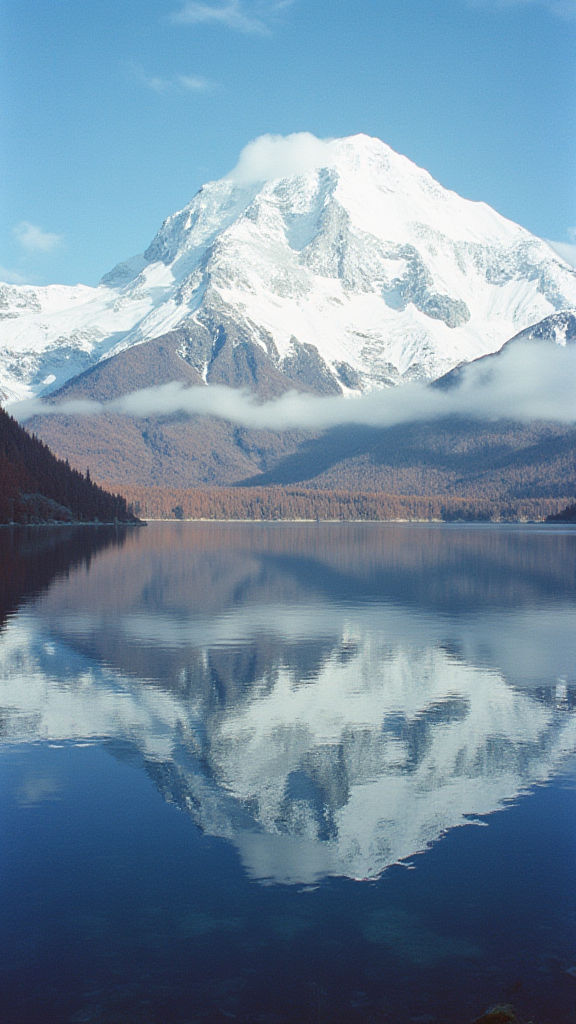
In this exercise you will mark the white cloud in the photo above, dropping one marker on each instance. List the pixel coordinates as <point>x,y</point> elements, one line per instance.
<point>193,83</point>
<point>34,239</point>
<point>177,83</point>
<point>8,276</point>
<point>249,16</point>
<point>155,83</point>
<point>280,156</point>
<point>566,250</point>
<point>527,381</point>
<point>561,8</point>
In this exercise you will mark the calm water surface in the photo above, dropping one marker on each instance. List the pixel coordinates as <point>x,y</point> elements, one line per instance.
<point>285,773</point>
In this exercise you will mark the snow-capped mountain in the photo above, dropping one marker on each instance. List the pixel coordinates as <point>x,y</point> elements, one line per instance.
<point>362,273</point>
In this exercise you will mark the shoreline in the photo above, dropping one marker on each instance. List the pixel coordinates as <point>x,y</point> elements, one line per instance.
<point>60,522</point>
<point>319,522</point>
<point>323,522</point>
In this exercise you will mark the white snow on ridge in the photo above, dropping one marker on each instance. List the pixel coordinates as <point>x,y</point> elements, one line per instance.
<point>368,259</point>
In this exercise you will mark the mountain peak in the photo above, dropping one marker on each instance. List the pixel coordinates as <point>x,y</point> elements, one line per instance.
<point>341,248</point>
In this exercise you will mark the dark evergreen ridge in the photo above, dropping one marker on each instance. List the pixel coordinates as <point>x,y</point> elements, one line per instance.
<point>37,487</point>
<point>567,515</point>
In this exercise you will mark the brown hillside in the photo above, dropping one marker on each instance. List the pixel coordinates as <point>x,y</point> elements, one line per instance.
<point>142,366</point>
<point>463,459</point>
<point>174,451</point>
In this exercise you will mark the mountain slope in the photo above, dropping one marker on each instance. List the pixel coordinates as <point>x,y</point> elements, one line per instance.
<point>175,450</point>
<point>359,274</point>
<point>449,457</point>
<point>452,457</point>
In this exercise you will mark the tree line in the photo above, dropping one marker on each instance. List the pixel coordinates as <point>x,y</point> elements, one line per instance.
<point>292,503</point>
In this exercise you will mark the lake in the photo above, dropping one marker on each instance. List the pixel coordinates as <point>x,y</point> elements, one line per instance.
<point>283,773</point>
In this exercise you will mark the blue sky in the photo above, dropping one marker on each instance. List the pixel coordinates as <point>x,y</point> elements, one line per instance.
<point>115,111</point>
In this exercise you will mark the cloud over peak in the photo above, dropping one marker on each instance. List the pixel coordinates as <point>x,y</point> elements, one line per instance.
<point>281,156</point>
<point>9,276</point>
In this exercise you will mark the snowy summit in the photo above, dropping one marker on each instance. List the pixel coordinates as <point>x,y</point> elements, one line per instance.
<point>339,254</point>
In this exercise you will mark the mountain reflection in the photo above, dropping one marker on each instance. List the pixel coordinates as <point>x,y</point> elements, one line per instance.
<point>299,692</point>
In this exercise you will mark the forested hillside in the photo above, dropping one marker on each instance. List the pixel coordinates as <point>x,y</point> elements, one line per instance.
<point>289,503</point>
<point>37,487</point>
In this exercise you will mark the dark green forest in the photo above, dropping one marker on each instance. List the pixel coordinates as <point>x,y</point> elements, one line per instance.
<point>37,487</point>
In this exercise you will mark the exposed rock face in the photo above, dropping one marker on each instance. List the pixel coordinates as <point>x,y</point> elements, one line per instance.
<point>357,275</point>
<point>558,327</point>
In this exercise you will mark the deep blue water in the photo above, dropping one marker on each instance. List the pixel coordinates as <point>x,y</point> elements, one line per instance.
<point>283,773</point>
